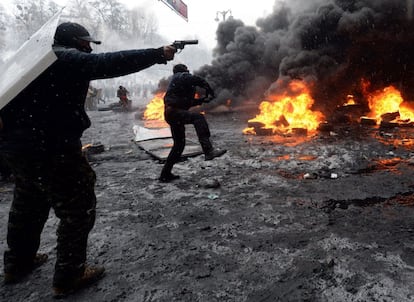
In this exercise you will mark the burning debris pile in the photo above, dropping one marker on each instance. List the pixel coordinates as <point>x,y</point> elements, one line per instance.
<point>308,59</point>
<point>388,107</point>
<point>155,108</point>
<point>289,110</point>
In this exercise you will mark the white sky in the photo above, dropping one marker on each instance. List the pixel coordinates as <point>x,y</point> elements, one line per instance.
<point>201,23</point>
<point>201,14</point>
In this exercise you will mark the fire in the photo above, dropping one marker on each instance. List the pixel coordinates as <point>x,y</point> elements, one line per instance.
<point>155,108</point>
<point>384,101</point>
<point>287,111</point>
<point>350,100</point>
<point>406,113</point>
<point>387,101</point>
<point>84,147</point>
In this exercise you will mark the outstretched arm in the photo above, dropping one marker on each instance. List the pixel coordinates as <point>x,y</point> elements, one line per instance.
<point>113,64</point>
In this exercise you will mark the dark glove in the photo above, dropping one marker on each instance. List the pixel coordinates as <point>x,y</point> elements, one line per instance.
<point>162,58</point>
<point>208,98</point>
<point>210,94</point>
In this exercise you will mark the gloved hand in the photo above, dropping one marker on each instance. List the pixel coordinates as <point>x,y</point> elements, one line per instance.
<point>166,54</point>
<point>169,52</point>
<point>210,92</point>
<point>208,98</point>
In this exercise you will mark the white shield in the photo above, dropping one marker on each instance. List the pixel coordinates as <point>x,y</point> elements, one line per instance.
<point>29,61</point>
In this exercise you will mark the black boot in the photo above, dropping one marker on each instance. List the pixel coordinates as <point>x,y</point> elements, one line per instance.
<point>209,151</point>
<point>213,153</point>
<point>167,177</point>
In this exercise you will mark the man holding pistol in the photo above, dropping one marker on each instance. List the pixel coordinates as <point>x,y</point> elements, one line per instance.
<point>40,141</point>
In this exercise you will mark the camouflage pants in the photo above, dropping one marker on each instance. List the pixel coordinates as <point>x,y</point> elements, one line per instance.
<point>64,183</point>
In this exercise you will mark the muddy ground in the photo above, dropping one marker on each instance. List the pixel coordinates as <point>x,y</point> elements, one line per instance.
<point>327,218</point>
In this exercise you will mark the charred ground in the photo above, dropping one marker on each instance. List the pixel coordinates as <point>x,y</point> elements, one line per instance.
<point>326,218</point>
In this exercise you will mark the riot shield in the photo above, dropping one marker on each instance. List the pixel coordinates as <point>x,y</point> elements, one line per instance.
<point>29,61</point>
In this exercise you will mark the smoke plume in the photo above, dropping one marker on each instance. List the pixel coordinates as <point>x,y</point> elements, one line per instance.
<point>333,45</point>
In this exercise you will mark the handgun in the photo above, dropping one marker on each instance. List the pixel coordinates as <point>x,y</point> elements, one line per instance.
<point>180,44</point>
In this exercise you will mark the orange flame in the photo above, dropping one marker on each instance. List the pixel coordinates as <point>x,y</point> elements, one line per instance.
<point>406,112</point>
<point>284,112</point>
<point>389,100</point>
<point>84,147</point>
<point>384,101</point>
<point>350,100</point>
<point>155,108</point>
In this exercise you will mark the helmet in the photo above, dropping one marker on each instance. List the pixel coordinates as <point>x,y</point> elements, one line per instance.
<point>68,34</point>
<point>180,68</point>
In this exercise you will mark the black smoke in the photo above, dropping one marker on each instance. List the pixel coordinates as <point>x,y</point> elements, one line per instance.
<point>331,44</point>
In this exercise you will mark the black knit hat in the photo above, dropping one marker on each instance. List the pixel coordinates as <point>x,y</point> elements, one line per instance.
<point>180,68</point>
<point>68,33</point>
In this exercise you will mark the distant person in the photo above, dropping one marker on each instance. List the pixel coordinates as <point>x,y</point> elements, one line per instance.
<point>122,93</point>
<point>41,143</point>
<point>178,99</point>
<point>91,101</point>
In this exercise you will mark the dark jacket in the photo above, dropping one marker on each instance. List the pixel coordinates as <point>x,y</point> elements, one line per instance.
<point>182,88</point>
<point>49,115</point>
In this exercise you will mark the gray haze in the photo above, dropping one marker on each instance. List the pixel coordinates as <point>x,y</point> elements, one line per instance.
<point>332,44</point>
<point>118,28</point>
